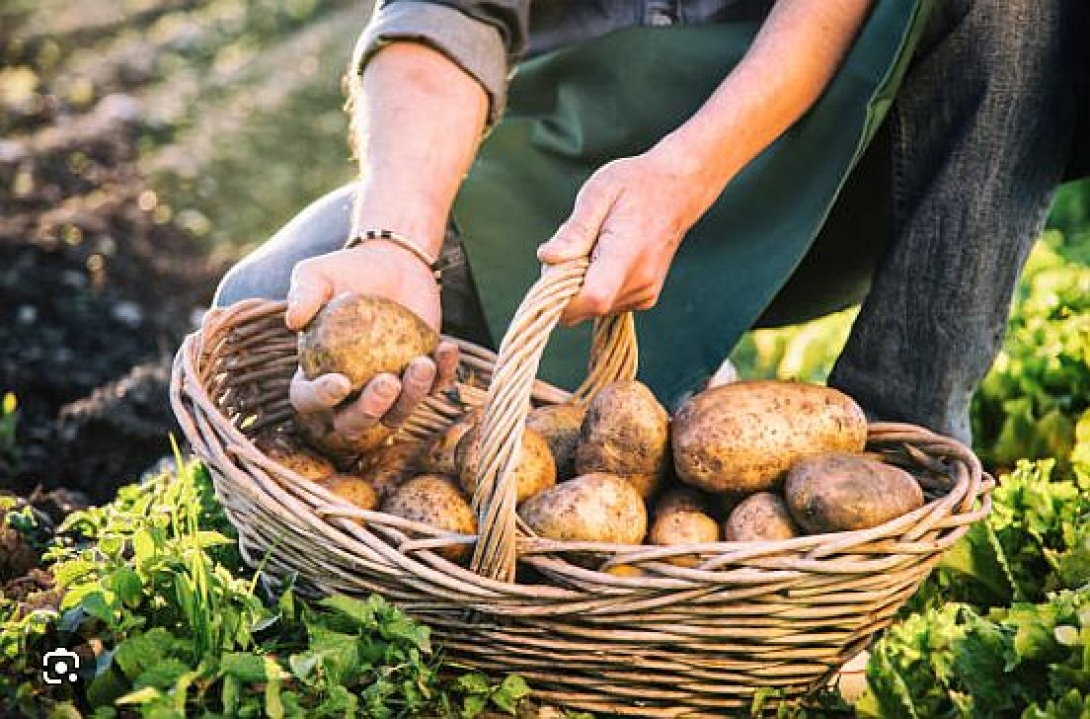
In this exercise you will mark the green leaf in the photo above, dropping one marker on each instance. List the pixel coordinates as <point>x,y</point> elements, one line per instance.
<point>140,696</point>
<point>512,690</point>
<point>128,586</point>
<point>244,666</point>
<point>139,653</point>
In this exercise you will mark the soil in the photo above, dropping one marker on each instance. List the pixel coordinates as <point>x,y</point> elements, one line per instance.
<point>96,291</point>
<point>118,119</point>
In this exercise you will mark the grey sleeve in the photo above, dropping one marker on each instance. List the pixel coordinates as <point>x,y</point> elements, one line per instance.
<point>486,50</point>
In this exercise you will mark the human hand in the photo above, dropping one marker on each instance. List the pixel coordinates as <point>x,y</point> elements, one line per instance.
<point>373,268</point>
<point>633,213</point>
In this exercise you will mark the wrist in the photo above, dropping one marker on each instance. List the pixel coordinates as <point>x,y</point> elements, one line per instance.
<point>397,243</point>
<point>385,208</point>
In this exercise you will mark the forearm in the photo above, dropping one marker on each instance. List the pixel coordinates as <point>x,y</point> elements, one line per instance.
<point>794,56</point>
<point>417,119</point>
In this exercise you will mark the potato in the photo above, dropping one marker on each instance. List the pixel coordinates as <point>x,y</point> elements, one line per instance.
<point>761,517</point>
<point>595,507</point>
<point>682,498</point>
<point>534,473</point>
<point>434,499</point>
<point>625,432</point>
<point>558,425</point>
<point>389,467</point>
<point>317,429</point>
<point>625,570</point>
<point>361,336</point>
<point>682,525</point>
<point>841,492</point>
<point>440,456</point>
<point>352,489</point>
<point>744,436</point>
<point>288,451</point>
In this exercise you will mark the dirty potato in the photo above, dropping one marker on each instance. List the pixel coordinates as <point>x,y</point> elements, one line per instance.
<point>435,500</point>
<point>761,517</point>
<point>558,425</point>
<point>595,507</point>
<point>744,436</point>
<point>625,432</point>
<point>681,525</point>
<point>534,473</point>
<point>440,455</point>
<point>288,451</point>
<point>390,466</point>
<point>361,336</point>
<point>841,492</point>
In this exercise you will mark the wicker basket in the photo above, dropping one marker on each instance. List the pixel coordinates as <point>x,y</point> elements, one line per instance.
<point>676,641</point>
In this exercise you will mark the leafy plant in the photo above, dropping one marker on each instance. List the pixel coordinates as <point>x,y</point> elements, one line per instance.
<point>155,596</point>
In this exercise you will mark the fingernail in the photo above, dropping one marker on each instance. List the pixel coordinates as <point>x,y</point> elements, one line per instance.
<point>419,371</point>
<point>386,389</point>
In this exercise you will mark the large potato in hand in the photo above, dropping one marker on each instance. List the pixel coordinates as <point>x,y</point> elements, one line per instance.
<point>625,432</point>
<point>592,508</point>
<point>559,425</point>
<point>361,336</point>
<point>761,517</point>
<point>534,472</point>
<point>435,500</point>
<point>743,437</point>
<point>841,492</point>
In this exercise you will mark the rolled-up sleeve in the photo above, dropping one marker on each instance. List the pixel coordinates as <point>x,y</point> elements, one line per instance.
<point>483,38</point>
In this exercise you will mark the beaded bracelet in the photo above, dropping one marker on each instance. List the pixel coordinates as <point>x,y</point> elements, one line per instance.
<point>401,241</point>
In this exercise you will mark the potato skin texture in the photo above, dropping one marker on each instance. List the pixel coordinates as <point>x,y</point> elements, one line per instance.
<point>440,454</point>
<point>361,336</point>
<point>534,473</point>
<point>595,507</point>
<point>285,449</point>
<point>559,425</point>
<point>682,499</point>
<point>434,499</point>
<point>625,432</point>
<point>761,517</point>
<point>842,492</point>
<point>352,489</point>
<point>390,466</point>
<point>683,526</point>
<point>316,428</point>
<point>744,436</point>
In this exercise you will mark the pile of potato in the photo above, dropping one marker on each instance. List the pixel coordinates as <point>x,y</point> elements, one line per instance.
<point>747,461</point>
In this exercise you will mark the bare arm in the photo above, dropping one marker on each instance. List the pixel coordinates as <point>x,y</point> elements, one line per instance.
<point>417,119</point>
<point>638,209</point>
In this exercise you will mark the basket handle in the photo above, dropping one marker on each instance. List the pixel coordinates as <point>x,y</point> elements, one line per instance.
<point>613,356</point>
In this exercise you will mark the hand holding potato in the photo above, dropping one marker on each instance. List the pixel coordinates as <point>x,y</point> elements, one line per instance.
<point>382,270</point>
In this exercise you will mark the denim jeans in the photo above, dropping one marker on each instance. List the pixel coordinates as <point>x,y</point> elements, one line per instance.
<point>980,135</point>
<point>978,140</point>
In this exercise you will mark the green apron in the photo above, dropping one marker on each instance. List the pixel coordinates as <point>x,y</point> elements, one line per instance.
<point>579,107</point>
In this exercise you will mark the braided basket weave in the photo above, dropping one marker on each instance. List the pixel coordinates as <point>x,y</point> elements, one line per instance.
<point>676,641</point>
